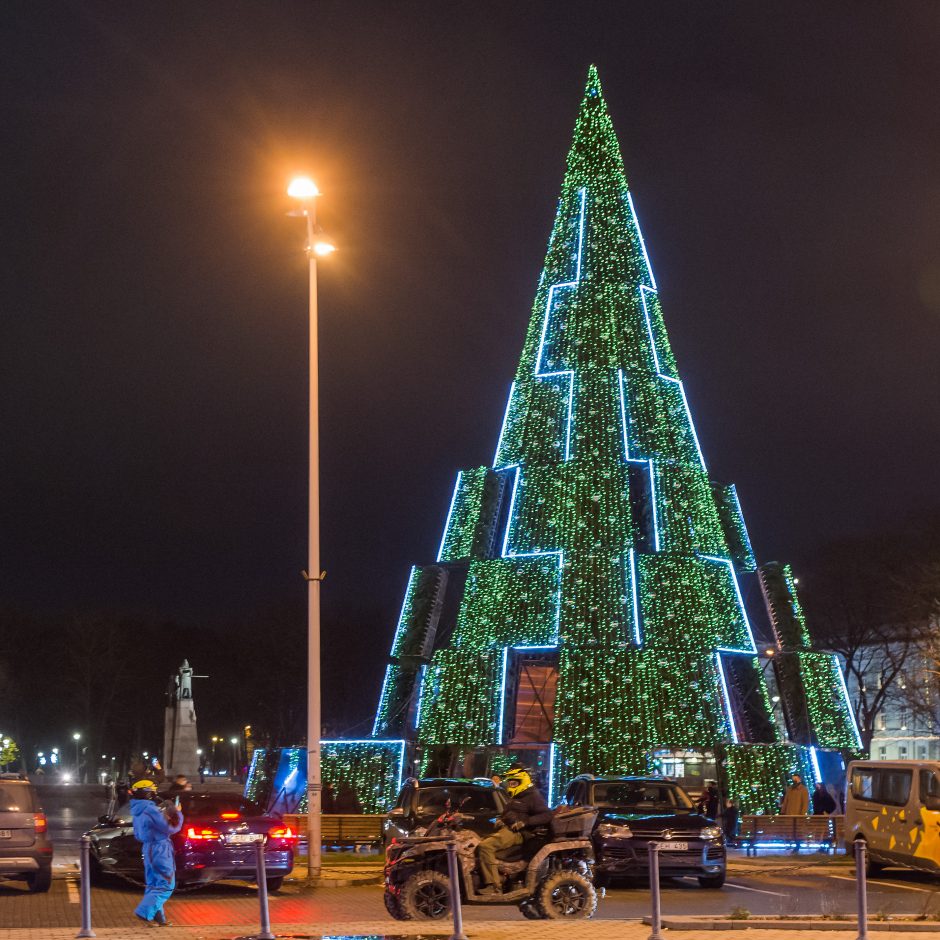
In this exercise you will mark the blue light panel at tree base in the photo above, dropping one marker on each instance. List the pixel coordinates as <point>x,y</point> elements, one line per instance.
<point>370,769</point>
<point>610,566</point>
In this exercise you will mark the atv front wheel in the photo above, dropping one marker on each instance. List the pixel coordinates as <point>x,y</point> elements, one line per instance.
<point>393,907</point>
<point>425,896</point>
<point>566,894</point>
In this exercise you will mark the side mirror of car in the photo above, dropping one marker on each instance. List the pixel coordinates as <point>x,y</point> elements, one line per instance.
<point>106,820</point>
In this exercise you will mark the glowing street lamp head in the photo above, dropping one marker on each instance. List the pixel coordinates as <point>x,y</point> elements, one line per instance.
<point>322,246</point>
<point>302,188</point>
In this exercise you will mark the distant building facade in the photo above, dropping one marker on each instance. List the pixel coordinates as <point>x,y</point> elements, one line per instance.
<point>908,726</point>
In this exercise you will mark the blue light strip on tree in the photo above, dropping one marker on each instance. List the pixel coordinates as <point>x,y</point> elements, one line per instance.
<point>636,225</point>
<point>502,697</point>
<point>502,430</point>
<point>380,710</point>
<point>846,699</point>
<point>551,773</point>
<point>539,374</point>
<point>814,760</point>
<point>624,423</point>
<point>727,697</point>
<point>404,605</point>
<point>636,599</point>
<point>746,540</point>
<point>422,672</point>
<point>450,512</point>
<point>740,599</point>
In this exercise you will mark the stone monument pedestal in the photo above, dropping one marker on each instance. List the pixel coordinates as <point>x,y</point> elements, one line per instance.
<point>179,727</point>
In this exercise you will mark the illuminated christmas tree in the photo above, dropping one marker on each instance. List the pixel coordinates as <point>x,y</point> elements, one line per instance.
<point>585,611</point>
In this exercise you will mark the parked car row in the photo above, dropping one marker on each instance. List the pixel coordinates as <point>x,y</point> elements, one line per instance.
<point>217,840</point>
<point>893,806</point>
<point>25,846</point>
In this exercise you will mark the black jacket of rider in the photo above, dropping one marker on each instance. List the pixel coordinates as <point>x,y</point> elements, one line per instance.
<point>529,808</point>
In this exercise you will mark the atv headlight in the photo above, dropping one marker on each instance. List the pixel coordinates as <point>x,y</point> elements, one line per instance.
<point>710,832</point>
<point>610,831</point>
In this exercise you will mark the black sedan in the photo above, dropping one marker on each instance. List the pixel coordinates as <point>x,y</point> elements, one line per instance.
<point>420,802</point>
<point>634,811</point>
<point>216,842</point>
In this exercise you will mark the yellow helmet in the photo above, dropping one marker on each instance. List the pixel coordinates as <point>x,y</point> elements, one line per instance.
<point>143,785</point>
<point>517,779</point>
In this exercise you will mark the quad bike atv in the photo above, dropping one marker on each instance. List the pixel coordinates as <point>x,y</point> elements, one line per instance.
<point>548,876</point>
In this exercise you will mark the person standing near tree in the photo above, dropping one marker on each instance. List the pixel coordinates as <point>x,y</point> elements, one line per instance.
<point>823,803</point>
<point>796,799</point>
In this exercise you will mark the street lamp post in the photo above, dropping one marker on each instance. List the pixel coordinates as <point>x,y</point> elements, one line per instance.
<point>76,737</point>
<point>234,743</point>
<point>304,190</point>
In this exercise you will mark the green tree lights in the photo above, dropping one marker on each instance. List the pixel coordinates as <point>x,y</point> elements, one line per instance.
<point>596,562</point>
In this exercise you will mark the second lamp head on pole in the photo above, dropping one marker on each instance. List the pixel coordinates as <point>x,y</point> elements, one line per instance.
<point>305,191</point>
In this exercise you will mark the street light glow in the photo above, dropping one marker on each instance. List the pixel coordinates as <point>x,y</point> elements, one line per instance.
<point>322,247</point>
<point>76,737</point>
<point>302,188</point>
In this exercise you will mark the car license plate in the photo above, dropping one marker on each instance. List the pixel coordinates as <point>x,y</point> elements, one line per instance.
<point>6,833</point>
<point>674,846</point>
<point>239,838</point>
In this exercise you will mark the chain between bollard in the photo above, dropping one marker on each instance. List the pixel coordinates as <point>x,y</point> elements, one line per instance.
<point>84,859</point>
<point>861,885</point>
<point>261,876</point>
<point>656,918</point>
<point>453,873</point>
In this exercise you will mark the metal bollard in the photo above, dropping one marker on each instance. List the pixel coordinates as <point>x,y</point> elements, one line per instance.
<point>656,919</point>
<point>84,861</point>
<point>261,875</point>
<point>861,850</point>
<point>454,875</point>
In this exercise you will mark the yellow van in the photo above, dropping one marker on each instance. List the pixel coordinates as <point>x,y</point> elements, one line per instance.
<point>895,805</point>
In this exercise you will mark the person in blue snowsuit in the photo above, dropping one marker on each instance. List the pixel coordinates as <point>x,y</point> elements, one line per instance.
<point>153,827</point>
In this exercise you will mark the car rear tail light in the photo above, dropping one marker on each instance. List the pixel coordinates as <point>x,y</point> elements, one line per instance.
<point>230,815</point>
<point>202,834</point>
<point>39,821</point>
<point>281,832</point>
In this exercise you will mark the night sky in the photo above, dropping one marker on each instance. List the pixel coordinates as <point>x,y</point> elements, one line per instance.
<point>785,165</point>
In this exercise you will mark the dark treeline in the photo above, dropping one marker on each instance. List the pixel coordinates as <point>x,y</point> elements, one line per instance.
<point>105,675</point>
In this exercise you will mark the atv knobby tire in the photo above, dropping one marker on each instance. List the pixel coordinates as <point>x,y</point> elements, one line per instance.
<point>425,896</point>
<point>393,907</point>
<point>566,894</point>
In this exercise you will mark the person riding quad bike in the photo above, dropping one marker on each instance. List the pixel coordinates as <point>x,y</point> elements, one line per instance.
<point>526,809</point>
<point>545,870</point>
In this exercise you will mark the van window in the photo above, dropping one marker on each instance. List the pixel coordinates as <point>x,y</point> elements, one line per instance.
<point>878,785</point>
<point>896,786</point>
<point>929,785</point>
<point>863,784</point>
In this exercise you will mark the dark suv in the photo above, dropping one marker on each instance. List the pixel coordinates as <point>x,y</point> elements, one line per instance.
<point>25,846</point>
<point>420,802</point>
<point>632,812</point>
